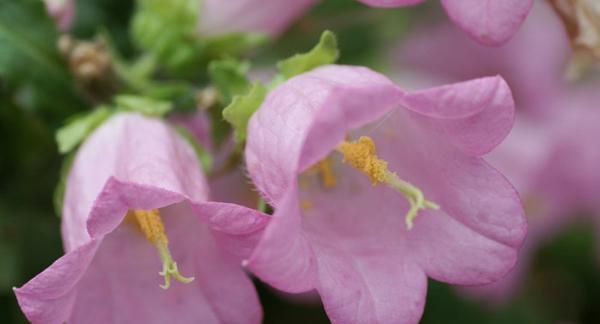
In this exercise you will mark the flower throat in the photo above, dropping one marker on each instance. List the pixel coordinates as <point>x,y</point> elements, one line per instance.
<point>151,225</point>
<point>362,155</point>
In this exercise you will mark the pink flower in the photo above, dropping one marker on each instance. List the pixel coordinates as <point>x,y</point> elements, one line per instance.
<point>62,11</point>
<point>428,206</point>
<point>140,167</point>
<point>490,22</point>
<point>553,161</point>
<point>550,155</point>
<point>228,180</point>
<point>229,16</point>
<point>532,62</point>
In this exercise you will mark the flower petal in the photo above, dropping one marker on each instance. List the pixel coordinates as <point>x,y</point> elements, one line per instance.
<point>476,115</point>
<point>465,187</point>
<point>370,288</point>
<point>50,296</point>
<point>271,16</point>
<point>136,162</point>
<point>532,63</point>
<point>490,22</point>
<point>451,252</point>
<point>131,161</point>
<point>331,98</point>
<point>390,3</point>
<point>122,285</point>
<point>62,11</point>
<point>284,257</point>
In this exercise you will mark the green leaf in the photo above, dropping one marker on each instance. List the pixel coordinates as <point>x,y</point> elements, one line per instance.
<point>325,52</point>
<point>242,107</point>
<point>204,156</point>
<point>144,105</point>
<point>79,127</point>
<point>229,76</point>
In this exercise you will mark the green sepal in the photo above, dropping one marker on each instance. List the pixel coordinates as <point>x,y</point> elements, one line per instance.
<point>205,158</point>
<point>242,107</point>
<point>144,105</point>
<point>59,191</point>
<point>229,77</point>
<point>79,127</point>
<point>325,52</point>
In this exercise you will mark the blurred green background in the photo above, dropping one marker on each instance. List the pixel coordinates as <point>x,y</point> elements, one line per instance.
<point>37,94</point>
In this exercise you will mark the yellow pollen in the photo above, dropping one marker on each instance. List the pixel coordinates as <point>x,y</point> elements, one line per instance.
<point>327,177</point>
<point>151,225</point>
<point>362,155</point>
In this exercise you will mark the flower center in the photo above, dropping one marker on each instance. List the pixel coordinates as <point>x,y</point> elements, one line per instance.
<point>362,155</point>
<point>151,225</point>
<point>325,171</point>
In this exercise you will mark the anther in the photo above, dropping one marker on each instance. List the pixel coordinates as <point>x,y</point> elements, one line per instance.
<point>362,155</point>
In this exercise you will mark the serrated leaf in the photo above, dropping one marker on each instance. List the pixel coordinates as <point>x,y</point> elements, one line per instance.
<point>144,105</point>
<point>79,127</point>
<point>243,107</point>
<point>325,52</point>
<point>229,77</point>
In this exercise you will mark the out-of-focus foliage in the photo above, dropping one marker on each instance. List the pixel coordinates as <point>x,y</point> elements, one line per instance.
<point>31,69</point>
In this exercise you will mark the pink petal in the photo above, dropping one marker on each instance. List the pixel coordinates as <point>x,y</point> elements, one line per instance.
<point>298,108</point>
<point>284,257</point>
<point>449,251</point>
<point>465,186</point>
<point>532,62</point>
<point>370,288</point>
<point>390,3</point>
<point>271,16</point>
<point>50,296</point>
<point>136,162</point>
<point>476,115</point>
<point>354,234</point>
<point>490,22</point>
<point>121,285</point>
<point>63,12</point>
<point>130,161</point>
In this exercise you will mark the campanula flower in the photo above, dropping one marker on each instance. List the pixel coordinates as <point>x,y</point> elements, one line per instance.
<point>375,189</point>
<point>143,242</point>
<point>550,155</point>
<point>532,62</point>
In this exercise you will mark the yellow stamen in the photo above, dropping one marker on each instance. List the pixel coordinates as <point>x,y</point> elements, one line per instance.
<point>151,225</point>
<point>327,177</point>
<point>362,155</point>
